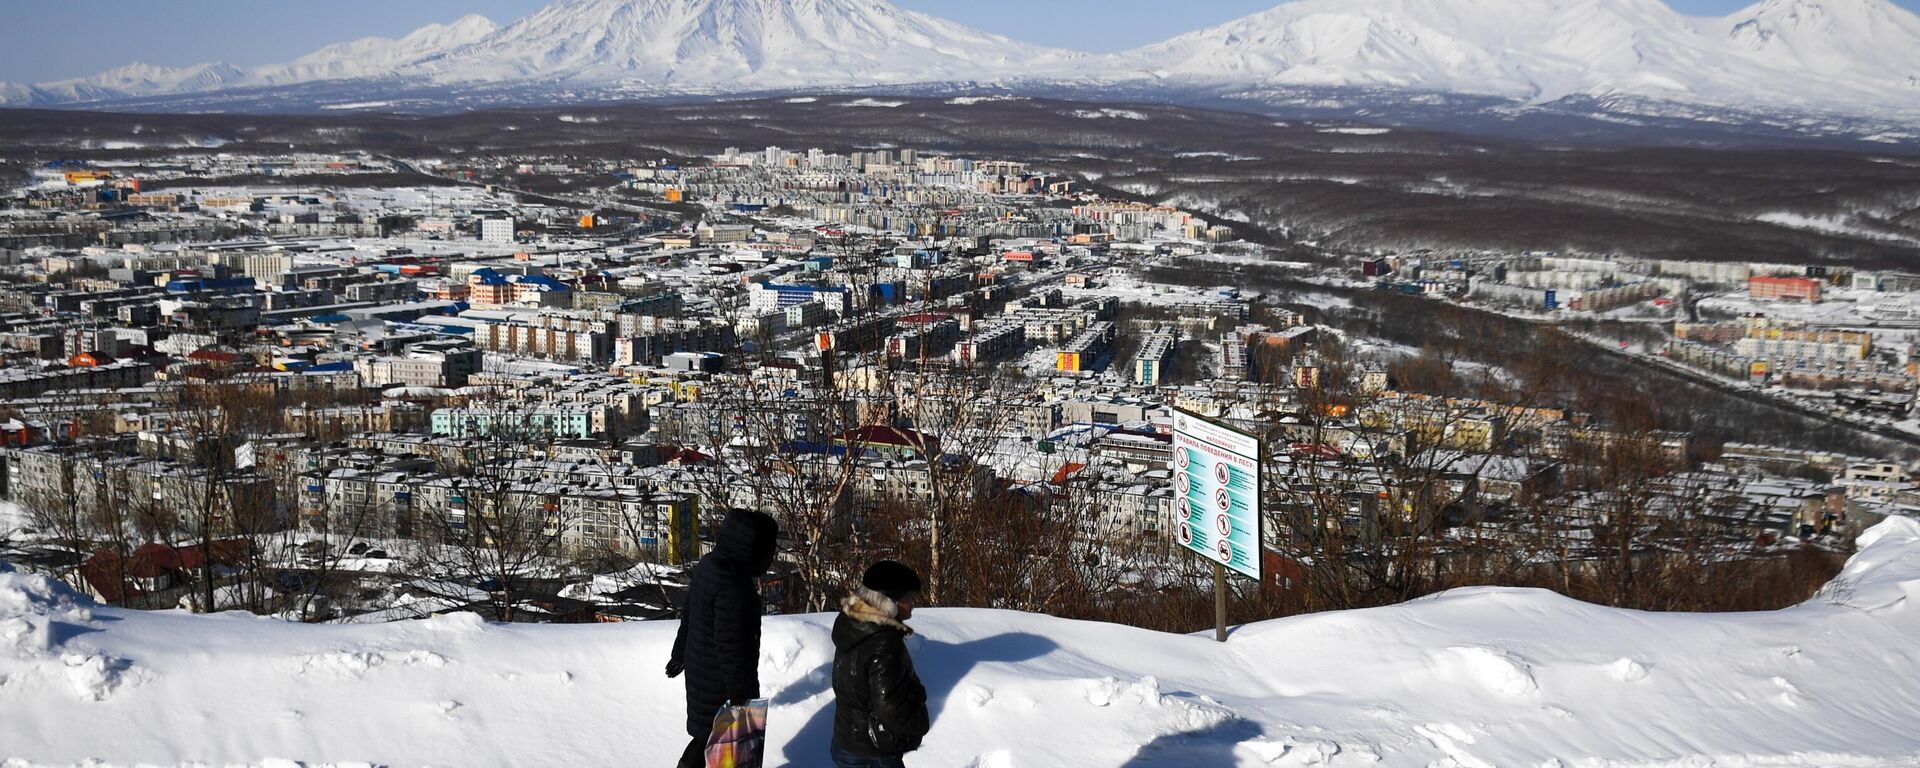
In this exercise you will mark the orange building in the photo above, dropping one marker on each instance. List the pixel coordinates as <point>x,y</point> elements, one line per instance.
<point>489,289</point>
<point>1795,288</point>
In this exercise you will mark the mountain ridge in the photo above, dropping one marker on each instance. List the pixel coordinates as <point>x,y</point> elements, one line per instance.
<point>1544,51</point>
<point>739,43</point>
<point>1850,58</point>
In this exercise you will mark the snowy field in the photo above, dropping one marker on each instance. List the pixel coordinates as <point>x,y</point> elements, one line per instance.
<point>1471,678</point>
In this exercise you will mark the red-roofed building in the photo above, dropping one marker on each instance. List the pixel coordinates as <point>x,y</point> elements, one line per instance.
<point>889,442</point>
<point>19,433</point>
<point>679,457</point>
<point>154,575</point>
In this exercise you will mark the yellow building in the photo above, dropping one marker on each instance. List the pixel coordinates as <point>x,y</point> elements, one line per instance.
<point>81,178</point>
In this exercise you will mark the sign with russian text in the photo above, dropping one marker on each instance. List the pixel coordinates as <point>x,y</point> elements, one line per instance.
<point>1216,492</point>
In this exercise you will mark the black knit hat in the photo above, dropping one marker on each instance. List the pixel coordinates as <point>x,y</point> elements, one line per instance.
<point>891,578</point>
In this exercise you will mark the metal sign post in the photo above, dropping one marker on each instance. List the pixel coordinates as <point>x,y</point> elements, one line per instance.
<point>1217,488</point>
<point>1219,602</point>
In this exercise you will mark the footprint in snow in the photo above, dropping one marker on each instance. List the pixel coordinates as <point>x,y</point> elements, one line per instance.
<point>1293,751</point>
<point>1105,691</point>
<point>995,759</point>
<point>1627,671</point>
<point>1789,693</point>
<point>96,678</point>
<point>784,656</point>
<point>1498,670</point>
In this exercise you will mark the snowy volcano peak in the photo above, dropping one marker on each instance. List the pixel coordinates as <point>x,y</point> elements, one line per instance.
<point>1866,42</point>
<point>1523,48</point>
<point>753,43</point>
<point>1825,13</point>
<point>1836,55</point>
<point>1786,22</point>
<point>1832,23</point>
<point>378,56</point>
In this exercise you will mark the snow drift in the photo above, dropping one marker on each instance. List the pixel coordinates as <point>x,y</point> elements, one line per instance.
<point>1477,677</point>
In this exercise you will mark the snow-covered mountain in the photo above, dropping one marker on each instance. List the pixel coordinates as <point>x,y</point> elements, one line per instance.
<point>372,57</point>
<point>377,56</point>
<point>1849,56</point>
<point>655,46</point>
<point>1865,42</point>
<point>1520,48</point>
<point>1780,60</point>
<point>1473,677</point>
<point>735,45</point>
<point>139,80</point>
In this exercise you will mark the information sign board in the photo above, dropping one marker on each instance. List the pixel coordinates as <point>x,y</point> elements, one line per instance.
<point>1216,491</point>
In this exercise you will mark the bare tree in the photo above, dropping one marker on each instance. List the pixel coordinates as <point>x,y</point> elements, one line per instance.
<point>485,520</point>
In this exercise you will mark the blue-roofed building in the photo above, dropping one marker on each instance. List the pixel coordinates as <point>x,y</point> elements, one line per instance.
<point>541,281</point>
<point>766,297</point>
<point>211,285</point>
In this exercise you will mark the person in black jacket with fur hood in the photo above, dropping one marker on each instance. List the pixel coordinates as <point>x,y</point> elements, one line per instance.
<point>881,713</point>
<point>719,642</point>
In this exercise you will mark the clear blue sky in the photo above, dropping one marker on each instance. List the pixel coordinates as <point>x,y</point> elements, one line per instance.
<point>50,39</point>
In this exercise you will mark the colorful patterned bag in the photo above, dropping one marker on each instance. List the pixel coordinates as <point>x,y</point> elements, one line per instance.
<point>739,736</point>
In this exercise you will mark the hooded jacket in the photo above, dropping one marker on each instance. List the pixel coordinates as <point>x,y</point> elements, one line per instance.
<point>719,640</point>
<point>881,708</point>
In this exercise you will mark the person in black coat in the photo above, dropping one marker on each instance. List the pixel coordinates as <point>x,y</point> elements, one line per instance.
<point>719,642</point>
<point>881,711</point>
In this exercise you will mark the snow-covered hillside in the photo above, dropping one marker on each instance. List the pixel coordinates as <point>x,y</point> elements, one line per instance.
<point>372,57</point>
<point>134,80</point>
<point>377,56</point>
<point>1479,677</point>
<point>1849,56</point>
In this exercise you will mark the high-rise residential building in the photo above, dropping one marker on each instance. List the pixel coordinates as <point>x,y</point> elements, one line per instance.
<point>497,229</point>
